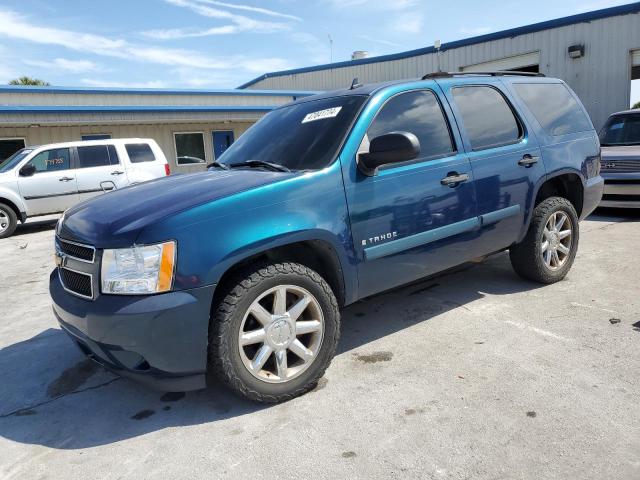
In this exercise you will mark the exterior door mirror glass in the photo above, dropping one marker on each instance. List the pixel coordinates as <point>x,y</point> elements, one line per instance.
<point>393,147</point>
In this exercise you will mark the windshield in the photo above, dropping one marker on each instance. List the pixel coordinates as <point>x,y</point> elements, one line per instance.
<point>621,130</point>
<point>14,159</point>
<point>304,136</point>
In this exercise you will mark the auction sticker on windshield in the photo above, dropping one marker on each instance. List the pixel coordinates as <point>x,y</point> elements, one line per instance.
<point>321,114</point>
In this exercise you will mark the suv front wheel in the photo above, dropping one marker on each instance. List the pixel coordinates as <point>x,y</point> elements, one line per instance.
<point>8,221</point>
<point>274,332</point>
<point>547,252</point>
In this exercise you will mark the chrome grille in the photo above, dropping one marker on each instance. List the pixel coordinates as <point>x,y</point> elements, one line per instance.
<point>620,166</point>
<point>84,253</point>
<point>78,283</point>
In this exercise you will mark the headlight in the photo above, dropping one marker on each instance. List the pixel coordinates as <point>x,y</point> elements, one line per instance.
<point>138,270</point>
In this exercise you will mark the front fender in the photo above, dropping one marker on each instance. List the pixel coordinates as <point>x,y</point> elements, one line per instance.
<point>10,195</point>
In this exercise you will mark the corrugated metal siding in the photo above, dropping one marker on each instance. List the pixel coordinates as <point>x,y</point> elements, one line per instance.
<point>163,134</point>
<point>601,78</point>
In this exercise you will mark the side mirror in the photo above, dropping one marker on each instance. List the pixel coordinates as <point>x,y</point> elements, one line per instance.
<point>394,147</point>
<point>28,170</point>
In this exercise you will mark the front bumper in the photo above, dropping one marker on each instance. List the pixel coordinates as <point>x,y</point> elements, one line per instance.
<point>592,195</point>
<point>621,191</point>
<point>159,340</point>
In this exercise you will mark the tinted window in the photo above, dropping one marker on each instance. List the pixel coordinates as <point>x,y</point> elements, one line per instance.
<point>302,136</point>
<point>621,130</point>
<point>488,119</point>
<point>96,156</point>
<point>554,107</point>
<point>190,148</point>
<point>52,160</point>
<point>418,113</point>
<point>139,152</point>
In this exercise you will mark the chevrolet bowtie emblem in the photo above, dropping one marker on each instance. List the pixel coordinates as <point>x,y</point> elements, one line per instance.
<point>609,165</point>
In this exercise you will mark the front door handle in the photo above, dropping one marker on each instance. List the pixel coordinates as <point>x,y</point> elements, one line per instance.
<point>117,172</point>
<point>454,178</point>
<point>65,179</point>
<point>528,160</point>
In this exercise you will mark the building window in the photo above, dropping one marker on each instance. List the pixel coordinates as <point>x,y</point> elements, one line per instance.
<point>9,146</point>
<point>96,136</point>
<point>189,148</point>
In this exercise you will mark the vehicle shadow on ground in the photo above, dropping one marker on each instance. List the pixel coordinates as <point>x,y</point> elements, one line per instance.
<point>615,215</point>
<point>34,226</point>
<point>52,396</point>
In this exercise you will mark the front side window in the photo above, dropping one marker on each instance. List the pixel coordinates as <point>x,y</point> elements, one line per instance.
<point>301,136</point>
<point>14,159</point>
<point>621,130</point>
<point>418,113</point>
<point>97,156</point>
<point>140,152</point>
<point>52,160</point>
<point>554,107</point>
<point>190,148</point>
<point>487,117</point>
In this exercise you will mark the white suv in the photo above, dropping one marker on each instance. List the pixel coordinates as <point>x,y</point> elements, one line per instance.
<point>51,178</point>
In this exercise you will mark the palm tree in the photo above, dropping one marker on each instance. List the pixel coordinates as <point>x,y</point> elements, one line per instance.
<point>29,81</point>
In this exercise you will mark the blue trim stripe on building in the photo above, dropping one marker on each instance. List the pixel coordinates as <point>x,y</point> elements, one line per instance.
<point>151,91</point>
<point>513,32</point>
<point>422,238</point>
<point>20,109</point>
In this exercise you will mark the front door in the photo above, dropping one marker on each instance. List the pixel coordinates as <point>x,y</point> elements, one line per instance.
<point>505,159</point>
<point>99,171</point>
<point>221,141</point>
<point>409,221</point>
<point>52,188</point>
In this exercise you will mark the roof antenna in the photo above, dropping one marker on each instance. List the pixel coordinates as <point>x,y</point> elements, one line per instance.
<point>355,84</point>
<point>437,45</point>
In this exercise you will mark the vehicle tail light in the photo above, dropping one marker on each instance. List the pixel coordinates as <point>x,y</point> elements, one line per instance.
<point>167,170</point>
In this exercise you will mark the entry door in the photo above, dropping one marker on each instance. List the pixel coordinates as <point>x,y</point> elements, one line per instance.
<point>505,159</point>
<point>52,188</point>
<point>221,141</point>
<point>407,221</point>
<point>99,171</point>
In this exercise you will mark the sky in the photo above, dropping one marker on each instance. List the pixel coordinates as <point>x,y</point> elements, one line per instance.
<point>224,43</point>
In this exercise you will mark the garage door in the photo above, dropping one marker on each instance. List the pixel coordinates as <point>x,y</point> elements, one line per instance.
<point>507,63</point>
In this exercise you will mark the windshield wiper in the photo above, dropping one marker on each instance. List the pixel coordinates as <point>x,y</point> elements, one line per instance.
<point>218,165</point>
<point>261,163</point>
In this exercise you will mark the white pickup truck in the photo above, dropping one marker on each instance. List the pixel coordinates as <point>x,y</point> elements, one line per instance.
<point>50,178</point>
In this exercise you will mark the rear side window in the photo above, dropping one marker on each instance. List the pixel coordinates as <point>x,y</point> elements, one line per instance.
<point>487,117</point>
<point>97,156</point>
<point>140,152</point>
<point>52,160</point>
<point>418,113</point>
<point>554,107</point>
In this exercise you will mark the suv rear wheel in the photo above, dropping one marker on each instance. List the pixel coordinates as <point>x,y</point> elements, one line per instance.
<point>549,248</point>
<point>8,221</point>
<point>275,332</point>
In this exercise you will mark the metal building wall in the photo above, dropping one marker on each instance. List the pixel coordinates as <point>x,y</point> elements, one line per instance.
<point>601,78</point>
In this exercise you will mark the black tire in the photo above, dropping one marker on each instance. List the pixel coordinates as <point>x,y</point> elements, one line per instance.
<point>527,258</point>
<point>237,296</point>
<point>7,212</point>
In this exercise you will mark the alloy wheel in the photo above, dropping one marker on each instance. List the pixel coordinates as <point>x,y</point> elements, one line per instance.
<point>556,242</point>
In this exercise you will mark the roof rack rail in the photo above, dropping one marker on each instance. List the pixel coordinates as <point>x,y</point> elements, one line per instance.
<point>492,74</point>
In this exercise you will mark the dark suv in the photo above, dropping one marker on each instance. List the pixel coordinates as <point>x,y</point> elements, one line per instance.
<point>241,271</point>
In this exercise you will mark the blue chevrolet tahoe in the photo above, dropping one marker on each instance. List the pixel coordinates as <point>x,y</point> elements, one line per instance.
<point>241,271</point>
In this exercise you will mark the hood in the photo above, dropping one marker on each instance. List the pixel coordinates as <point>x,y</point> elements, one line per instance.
<point>116,218</point>
<point>630,152</point>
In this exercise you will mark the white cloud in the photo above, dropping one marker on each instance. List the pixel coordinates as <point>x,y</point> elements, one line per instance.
<point>318,51</point>
<point>75,66</point>
<point>16,27</point>
<point>373,4</point>
<point>381,41</point>
<point>249,8</point>
<point>110,84</point>
<point>239,23</point>
<point>475,31</point>
<point>408,23</point>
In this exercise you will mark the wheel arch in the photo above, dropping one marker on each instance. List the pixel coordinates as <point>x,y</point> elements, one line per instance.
<point>22,216</point>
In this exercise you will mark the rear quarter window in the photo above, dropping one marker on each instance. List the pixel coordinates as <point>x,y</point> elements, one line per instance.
<point>140,152</point>
<point>554,107</point>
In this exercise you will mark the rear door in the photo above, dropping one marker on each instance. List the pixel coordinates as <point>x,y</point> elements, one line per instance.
<point>99,170</point>
<point>52,188</point>
<point>504,155</point>
<point>145,161</point>
<point>405,222</point>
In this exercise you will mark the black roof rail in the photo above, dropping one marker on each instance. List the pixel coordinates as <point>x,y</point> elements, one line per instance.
<point>492,74</point>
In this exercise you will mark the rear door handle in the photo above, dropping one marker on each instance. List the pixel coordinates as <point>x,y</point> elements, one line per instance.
<point>528,160</point>
<point>117,172</point>
<point>65,179</point>
<point>454,179</point>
